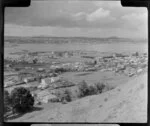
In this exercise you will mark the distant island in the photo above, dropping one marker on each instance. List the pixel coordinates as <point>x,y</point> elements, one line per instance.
<point>61,40</point>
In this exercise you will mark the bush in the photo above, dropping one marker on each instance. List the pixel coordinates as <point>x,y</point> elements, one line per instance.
<point>7,102</point>
<point>100,87</point>
<point>93,90</point>
<point>22,100</point>
<point>68,95</point>
<point>63,96</point>
<point>83,89</point>
<point>59,70</point>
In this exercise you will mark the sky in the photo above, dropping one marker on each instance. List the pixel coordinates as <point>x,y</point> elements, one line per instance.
<point>76,18</point>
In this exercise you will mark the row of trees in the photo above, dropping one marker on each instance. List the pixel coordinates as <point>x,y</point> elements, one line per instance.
<point>83,90</point>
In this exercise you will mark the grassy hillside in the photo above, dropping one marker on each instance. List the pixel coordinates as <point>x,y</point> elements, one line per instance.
<point>126,103</point>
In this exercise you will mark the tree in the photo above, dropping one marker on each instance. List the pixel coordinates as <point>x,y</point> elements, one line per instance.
<point>35,61</point>
<point>136,54</point>
<point>83,89</point>
<point>67,95</point>
<point>93,90</point>
<point>22,100</point>
<point>100,87</point>
<point>7,102</point>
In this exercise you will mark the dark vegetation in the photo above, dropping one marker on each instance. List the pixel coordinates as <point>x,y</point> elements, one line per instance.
<point>63,96</point>
<point>21,100</point>
<point>7,102</point>
<point>85,89</point>
<point>18,101</point>
<point>67,96</point>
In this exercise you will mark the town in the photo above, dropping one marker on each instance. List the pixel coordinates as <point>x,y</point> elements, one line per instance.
<point>42,72</point>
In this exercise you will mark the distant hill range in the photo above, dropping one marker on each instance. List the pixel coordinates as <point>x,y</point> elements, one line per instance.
<point>61,40</point>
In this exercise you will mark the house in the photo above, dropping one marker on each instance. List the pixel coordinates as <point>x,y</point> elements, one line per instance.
<point>49,80</point>
<point>41,69</point>
<point>43,86</point>
<point>108,57</point>
<point>55,79</point>
<point>45,96</point>
<point>46,82</point>
<point>8,83</point>
<point>29,79</point>
<point>130,74</point>
<point>129,71</point>
<point>8,65</point>
<point>139,70</point>
<point>49,98</point>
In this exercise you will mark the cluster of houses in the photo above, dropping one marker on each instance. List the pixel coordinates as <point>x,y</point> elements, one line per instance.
<point>45,82</point>
<point>123,64</point>
<point>126,64</point>
<point>129,65</point>
<point>40,57</point>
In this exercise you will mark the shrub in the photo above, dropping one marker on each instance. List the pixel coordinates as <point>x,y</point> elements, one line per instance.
<point>7,102</point>
<point>100,87</point>
<point>93,90</point>
<point>60,70</point>
<point>22,100</point>
<point>68,95</point>
<point>83,89</point>
<point>65,96</point>
<point>55,100</point>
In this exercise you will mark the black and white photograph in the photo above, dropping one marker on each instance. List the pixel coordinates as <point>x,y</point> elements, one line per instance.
<point>76,61</point>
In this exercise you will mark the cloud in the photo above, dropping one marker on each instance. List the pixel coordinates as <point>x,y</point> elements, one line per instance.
<point>98,14</point>
<point>79,16</point>
<point>93,16</point>
<point>58,13</point>
<point>76,18</point>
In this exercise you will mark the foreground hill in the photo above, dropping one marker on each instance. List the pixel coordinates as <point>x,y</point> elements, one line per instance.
<point>126,103</point>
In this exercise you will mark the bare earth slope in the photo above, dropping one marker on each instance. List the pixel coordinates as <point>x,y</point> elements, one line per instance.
<point>126,103</point>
